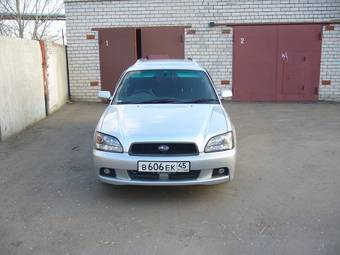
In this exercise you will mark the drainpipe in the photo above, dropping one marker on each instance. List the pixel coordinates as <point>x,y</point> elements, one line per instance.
<point>67,69</point>
<point>67,75</point>
<point>44,70</point>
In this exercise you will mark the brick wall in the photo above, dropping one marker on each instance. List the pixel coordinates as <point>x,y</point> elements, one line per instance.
<point>330,64</point>
<point>212,47</point>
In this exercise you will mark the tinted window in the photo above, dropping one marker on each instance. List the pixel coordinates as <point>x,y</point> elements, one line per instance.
<point>165,86</point>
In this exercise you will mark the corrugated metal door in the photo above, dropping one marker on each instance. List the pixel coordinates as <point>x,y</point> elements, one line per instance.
<point>117,50</point>
<point>162,42</point>
<point>298,67</point>
<point>254,63</point>
<point>276,63</point>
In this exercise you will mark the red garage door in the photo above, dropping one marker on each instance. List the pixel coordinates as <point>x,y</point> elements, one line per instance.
<point>162,42</point>
<point>119,48</point>
<point>276,63</point>
<point>117,51</point>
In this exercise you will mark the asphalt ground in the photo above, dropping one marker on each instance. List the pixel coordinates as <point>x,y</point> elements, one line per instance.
<point>285,198</point>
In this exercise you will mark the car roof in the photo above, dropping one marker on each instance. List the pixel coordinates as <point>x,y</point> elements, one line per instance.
<point>166,64</point>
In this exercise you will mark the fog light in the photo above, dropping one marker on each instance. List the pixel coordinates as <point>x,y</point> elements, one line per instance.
<point>108,172</point>
<point>222,171</point>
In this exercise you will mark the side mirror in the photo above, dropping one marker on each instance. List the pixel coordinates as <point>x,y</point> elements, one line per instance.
<point>226,94</point>
<point>104,95</point>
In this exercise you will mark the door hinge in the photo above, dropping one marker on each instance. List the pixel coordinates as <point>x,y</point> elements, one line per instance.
<point>316,91</point>
<point>320,35</point>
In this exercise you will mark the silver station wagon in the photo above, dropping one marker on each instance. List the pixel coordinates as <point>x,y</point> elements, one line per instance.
<point>165,125</point>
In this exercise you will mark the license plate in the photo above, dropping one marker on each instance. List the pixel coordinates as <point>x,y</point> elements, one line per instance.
<point>163,167</point>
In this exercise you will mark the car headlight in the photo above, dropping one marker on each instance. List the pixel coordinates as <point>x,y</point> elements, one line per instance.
<point>220,143</point>
<point>107,143</point>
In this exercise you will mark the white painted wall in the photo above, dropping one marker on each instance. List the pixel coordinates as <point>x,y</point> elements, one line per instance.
<point>21,85</point>
<point>22,100</point>
<point>56,76</point>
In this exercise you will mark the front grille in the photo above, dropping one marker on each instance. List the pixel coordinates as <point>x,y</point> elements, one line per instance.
<point>191,175</point>
<point>173,149</point>
<point>142,176</point>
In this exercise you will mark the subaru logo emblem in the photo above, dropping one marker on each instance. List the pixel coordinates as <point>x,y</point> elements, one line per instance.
<point>163,148</point>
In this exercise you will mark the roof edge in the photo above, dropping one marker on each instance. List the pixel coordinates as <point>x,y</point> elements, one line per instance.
<point>83,1</point>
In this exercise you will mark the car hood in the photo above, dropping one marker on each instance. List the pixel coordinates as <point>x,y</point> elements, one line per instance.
<point>164,123</point>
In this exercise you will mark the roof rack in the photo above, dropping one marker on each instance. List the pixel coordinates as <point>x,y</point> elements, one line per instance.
<point>145,60</point>
<point>141,59</point>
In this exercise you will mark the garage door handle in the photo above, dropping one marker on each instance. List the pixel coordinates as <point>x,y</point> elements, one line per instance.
<point>284,56</point>
<point>181,39</point>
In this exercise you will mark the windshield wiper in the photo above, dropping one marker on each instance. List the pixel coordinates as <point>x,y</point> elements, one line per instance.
<point>152,101</point>
<point>171,101</point>
<point>201,100</point>
<point>158,101</point>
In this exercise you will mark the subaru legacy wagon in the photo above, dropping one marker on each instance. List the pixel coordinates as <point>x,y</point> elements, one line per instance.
<point>165,125</point>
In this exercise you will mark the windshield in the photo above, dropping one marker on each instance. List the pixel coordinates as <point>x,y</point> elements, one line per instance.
<point>165,86</point>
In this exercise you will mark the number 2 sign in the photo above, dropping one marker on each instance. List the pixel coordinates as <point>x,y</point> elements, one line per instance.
<point>242,40</point>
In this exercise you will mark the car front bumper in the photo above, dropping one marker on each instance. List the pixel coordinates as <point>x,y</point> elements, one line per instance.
<point>204,162</point>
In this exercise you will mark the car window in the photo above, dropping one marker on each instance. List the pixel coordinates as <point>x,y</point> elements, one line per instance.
<point>165,86</point>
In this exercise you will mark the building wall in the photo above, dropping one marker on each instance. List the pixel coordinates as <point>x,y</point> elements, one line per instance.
<point>330,64</point>
<point>212,47</point>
